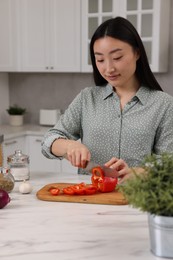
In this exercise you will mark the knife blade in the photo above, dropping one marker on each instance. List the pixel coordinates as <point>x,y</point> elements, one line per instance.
<point>108,172</point>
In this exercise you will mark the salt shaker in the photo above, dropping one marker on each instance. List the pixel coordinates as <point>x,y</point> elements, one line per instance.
<point>19,165</point>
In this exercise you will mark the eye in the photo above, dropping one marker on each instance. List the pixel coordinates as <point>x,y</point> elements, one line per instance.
<point>117,58</point>
<point>101,60</point>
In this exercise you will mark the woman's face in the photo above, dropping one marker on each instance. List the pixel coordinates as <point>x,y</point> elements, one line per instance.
<point>116,61</point>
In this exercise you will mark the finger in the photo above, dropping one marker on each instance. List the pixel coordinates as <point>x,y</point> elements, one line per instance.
<point>77,159</point>
<point>119,165</point>
<point>111,162</point>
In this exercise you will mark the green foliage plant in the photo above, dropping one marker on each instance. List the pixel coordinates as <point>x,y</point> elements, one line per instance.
<point>16,110</point>
<point>152,191</point>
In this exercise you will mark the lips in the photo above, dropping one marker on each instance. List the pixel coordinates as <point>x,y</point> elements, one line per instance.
<point>113,77</point>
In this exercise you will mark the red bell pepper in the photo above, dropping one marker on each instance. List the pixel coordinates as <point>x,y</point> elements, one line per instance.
<point>102,183</point>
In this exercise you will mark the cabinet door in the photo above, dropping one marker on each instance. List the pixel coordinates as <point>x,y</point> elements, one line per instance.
<point>50,35</point>
<point>11,145</point>
<point>149,18</point>
<point>93,14</point>
<point>39,163</point>
<point>34,35</point>
<point>8,35</point>
<point>65,35</point>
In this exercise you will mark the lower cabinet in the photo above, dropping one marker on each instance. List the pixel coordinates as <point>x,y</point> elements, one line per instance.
<point>31,145</point>
<point>38,162</point>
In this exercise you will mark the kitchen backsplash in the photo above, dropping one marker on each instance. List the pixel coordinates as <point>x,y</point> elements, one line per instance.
<point>37,91</point>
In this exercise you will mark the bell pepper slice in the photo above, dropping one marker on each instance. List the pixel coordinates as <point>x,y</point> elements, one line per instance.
<point>97,175</point>
<point>68,191</point>
<point>80,189</point>
<point>90,189</point>
<point>54,191</point>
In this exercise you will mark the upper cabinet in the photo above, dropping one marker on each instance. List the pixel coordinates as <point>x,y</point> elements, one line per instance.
<point>8,35</point>
<point>150,18</point>
<point>50,35</point>
<point>40,36</point>
<point>54,35</point>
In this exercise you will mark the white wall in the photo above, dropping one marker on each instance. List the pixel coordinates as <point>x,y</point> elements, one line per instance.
<point>4,97</point>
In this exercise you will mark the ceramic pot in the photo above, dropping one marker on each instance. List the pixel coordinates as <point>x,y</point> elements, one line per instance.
<point>161,235</point>
<point>16,120</point>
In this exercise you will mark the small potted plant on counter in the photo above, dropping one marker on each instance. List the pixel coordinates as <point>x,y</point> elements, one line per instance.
<point>16,114</point>
<point>152,192</point>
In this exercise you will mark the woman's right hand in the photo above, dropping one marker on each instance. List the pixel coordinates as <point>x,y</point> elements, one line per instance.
<point>74,151</point>
<point>78,154</point>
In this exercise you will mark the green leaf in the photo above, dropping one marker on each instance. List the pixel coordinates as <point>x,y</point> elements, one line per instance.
<point>153,191</point>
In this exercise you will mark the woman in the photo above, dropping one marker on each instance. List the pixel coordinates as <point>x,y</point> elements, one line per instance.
<point>125,117</point>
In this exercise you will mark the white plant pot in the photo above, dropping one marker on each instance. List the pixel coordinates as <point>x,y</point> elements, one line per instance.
<point>16,120</point>
<point>161,235</point>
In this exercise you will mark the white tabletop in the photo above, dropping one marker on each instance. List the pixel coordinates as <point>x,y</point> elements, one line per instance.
<point>32,229</point>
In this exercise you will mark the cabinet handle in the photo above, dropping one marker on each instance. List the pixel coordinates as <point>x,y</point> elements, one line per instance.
<point>51,68</point>
<point>47,68</point>
<point>10,143</point>
<point>38,140</point>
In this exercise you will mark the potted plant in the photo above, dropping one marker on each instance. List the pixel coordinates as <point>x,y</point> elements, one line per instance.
<point>152,192</point>
<point>16,114</point>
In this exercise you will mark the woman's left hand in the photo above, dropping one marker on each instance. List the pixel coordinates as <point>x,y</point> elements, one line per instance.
<point>121,166</point>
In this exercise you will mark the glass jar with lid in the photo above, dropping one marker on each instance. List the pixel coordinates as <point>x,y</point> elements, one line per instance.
<point>19,165</point>
<point>6,179</point>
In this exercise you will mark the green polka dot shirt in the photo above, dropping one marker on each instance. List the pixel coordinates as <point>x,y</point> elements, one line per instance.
<point>144,126</point>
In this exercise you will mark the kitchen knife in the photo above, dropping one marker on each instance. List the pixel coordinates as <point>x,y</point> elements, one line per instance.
<point>108,172</point>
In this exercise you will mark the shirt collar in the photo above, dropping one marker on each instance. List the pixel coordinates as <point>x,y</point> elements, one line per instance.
<point>142,94</point>
<point>108,90</point>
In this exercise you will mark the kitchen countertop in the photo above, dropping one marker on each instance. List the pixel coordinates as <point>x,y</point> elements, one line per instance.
<point>36,229</point>
<point>17,131</point>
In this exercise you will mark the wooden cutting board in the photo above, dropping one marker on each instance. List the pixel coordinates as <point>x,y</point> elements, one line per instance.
<point>111,198</point>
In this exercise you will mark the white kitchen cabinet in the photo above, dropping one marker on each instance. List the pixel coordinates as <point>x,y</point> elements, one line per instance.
<point>50,35</point>
<point>8,35</point>
<point>11,145</point>
<point>150,18</point>
<point>39,163</point>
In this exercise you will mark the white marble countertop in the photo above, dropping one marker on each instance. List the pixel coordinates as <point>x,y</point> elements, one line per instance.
<point>35,229</point>
<point>27,129</point>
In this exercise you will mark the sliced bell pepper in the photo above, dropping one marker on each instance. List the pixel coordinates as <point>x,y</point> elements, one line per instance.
<point>80,189</point>
<point>102,183</point>
<point>90,189</point>
<point>97,175</point>
<point>54,191</point>
<point>68,191</point>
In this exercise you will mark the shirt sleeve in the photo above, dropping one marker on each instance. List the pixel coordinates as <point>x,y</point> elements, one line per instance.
<point>68,127</point>
<point>164,134</point>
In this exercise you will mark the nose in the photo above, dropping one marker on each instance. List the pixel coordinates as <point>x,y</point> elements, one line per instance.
<point>110,68</point>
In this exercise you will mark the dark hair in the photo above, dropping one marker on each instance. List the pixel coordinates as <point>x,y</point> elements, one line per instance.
<point>120,28</point>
